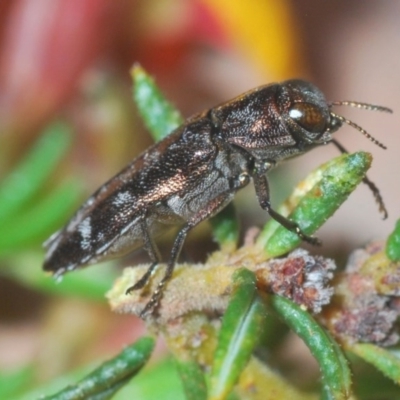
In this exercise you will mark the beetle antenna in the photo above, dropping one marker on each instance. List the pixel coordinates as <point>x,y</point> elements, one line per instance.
<point>358,127</point>
<point>364,106</point>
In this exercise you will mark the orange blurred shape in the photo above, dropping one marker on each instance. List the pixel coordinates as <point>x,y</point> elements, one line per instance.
<point>265,32</point>
<point>46,47</point>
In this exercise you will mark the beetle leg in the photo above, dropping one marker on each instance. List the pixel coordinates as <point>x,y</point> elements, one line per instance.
<point>210,209</point>
<point>262,191</point>
<point>152,251</point>
<point>371,185</point>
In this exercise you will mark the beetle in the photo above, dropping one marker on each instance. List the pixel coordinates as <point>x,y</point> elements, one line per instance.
<point>195,172</point>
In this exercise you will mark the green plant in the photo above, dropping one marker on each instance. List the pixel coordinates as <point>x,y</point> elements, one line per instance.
<point>259,294</point>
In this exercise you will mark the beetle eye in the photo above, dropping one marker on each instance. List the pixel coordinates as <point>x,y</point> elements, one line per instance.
<point>308,117</point>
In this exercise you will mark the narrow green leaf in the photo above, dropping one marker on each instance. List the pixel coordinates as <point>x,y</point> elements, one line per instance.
<point>28,177</point>
<point>239,334</point>
<point>380,358</point>
<point>160,117</point>
<point>225,227</point>
<point>168,385</point>
<point>193,380</point>
<point>103,382</point>
<point>335,371</point>
<point>33,225</point>
<point>393,243</point>
<point>326,189</point>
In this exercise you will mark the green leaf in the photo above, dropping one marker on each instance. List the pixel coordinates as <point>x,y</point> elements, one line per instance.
<point>103,382</point>
<point>143,387</point>
<point>239,334</point>
<point>380,358</point>
<point>18,188</point>
<point>193,380</point>
<point>335,371</point>
<point>393,243</point>
<point>33,225</point>
<point>315,200</point>
<point>160,117</point>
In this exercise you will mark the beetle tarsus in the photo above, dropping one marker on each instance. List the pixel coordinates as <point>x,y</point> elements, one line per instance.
<point>371,185</point>
<point>306,238</point>
<point>141,283</point>
<point>377,195</point>
<point>154,301</point>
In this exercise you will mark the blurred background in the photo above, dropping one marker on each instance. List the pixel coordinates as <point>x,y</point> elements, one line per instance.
<point>69,61</point>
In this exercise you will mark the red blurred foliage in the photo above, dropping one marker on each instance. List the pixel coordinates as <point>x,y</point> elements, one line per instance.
<point>47,46</point>
<point>45,49</point>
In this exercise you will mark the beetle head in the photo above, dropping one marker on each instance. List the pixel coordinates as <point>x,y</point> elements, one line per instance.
<point>279,121</point>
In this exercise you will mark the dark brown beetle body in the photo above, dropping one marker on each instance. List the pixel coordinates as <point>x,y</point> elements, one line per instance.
<point>195,172</point>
